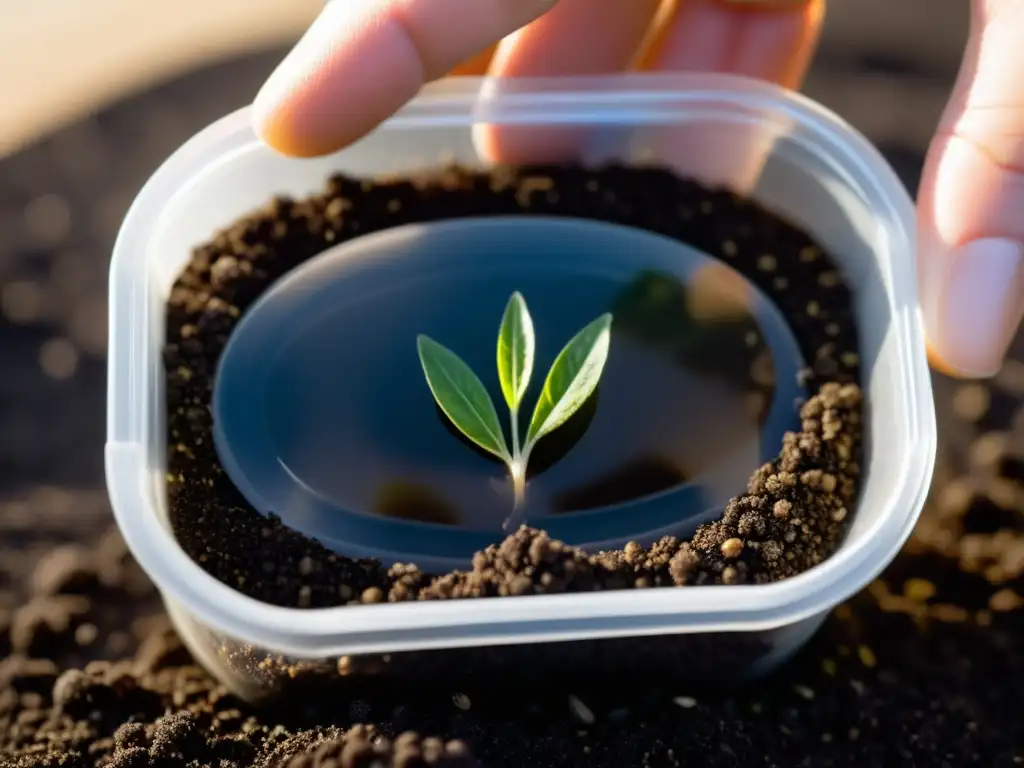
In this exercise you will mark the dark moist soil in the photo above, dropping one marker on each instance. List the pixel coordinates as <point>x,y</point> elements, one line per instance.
<point>791,518</point>
<point>918,670</point>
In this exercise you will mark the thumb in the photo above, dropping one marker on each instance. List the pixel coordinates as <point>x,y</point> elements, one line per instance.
<point>971,203</point>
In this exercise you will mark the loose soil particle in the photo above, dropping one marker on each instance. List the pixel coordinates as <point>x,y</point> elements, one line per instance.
<point>815,476</point>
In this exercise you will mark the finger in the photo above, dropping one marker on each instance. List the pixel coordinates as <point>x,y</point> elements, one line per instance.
<point>363,59</point>
<point>971,202</point>
<point>577,37</point>
<point>771,40</point>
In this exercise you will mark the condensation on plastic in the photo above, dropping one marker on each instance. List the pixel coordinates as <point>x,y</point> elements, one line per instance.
<point>821,174</point>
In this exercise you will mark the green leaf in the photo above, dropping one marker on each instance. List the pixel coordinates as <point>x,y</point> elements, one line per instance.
<point>461,396</point>
<point>572,379</point>
<point>516,347</point>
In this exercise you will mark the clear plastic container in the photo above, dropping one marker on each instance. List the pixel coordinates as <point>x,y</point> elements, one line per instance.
<point>820,174</point>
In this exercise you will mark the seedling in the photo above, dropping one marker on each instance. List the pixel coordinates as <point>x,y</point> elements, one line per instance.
<point>464,400</point>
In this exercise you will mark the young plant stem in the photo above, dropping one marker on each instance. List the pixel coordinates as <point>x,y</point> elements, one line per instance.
<point>517,470</point>
<point>514,420</point>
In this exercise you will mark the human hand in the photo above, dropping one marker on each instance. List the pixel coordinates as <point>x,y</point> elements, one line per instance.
<point>363,59</point>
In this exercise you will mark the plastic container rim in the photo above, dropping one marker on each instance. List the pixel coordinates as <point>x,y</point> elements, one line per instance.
<point>635,99</point>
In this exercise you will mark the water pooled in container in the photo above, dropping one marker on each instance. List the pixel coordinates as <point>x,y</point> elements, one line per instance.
<point>323,416</point>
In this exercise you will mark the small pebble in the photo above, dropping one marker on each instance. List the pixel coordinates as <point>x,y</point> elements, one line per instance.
<point>581,711</point>
<point>804,692</point>
<point>1005,600</point>
<point>866,656</point>
<point>919,590</point>
<point>732,548</point>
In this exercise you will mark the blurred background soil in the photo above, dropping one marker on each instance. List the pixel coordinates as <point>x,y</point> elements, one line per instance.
<point>917,670</point>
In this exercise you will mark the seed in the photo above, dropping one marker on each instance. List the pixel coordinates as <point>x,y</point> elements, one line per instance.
<point>461,701</point>
<point>686,702</point>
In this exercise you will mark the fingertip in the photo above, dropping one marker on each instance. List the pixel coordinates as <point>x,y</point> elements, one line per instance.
<point>973,306</point>
<point>280,134</point>
<point>349,72</point>
<point>940,364</point>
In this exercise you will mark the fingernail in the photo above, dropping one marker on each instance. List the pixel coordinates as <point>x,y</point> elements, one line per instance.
<point>977,305</point>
